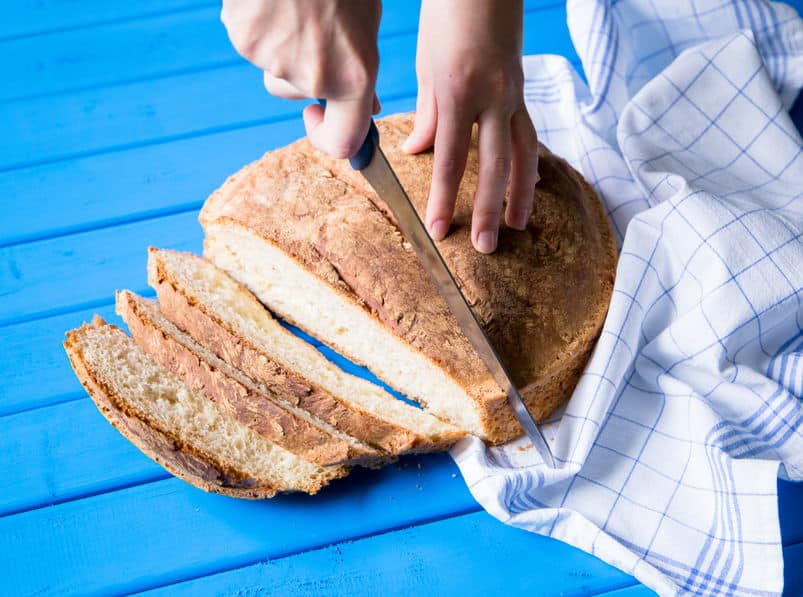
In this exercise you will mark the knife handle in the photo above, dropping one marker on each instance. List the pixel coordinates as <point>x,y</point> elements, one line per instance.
<point>366,151</point>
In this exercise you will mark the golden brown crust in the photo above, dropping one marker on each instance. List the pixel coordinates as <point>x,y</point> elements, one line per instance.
<point>179,458</point>
<point>556,277</point>
<point>541,298</point>
<point>260,413</point>
<point>192,315</point>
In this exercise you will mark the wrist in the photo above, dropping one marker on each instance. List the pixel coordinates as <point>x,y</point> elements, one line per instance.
<point>482,24</point>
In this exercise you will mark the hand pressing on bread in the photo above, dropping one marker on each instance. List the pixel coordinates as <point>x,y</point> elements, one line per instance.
<point>315,49</point>
<point>469,70</point>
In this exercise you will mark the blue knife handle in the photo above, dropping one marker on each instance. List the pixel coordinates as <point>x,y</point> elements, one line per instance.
<point>366,151</point>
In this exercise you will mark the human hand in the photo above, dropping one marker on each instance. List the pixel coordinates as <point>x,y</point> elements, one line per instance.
<point>315,49</point>
<point>469,70</point>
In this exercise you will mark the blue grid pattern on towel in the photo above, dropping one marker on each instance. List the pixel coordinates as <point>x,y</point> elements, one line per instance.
<point>691,403</point>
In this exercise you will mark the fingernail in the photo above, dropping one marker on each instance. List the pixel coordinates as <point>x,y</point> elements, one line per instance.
<point>439,229</point>
<point>486,241</point>
<point>408,142</point>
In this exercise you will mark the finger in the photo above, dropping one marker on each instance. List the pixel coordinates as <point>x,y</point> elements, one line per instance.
<point>281,87</point>
<point>495,152</point>
<point>425,125</point>
<point>524,170</point>
<point>341,129</point>
<point>452,140</point>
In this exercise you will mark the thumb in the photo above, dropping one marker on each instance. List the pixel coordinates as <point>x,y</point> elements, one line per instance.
<point>340,129</point>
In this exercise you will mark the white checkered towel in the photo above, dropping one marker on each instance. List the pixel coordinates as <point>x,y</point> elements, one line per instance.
<point>690,407</point>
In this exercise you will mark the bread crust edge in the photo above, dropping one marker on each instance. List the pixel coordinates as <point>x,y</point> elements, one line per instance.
<point>177,457</point>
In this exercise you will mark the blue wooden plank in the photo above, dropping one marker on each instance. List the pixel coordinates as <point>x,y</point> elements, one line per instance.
<point>64,452</point>
<point>114,53</point>
<point>167,531</point>
<point>40,17</point>
<point>145,112</point>
<point>34,366</point>
<point>130,50</point>
<point>24,18</point>
<point>472,554</point>
<point>82,271</point>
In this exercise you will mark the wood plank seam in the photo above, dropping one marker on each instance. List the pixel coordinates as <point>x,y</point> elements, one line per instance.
<point>358,537</point>
<point>147,480</point>
<point>175,137</point>
<point>169,12</point>
<point>105,22</point>
<point>191,70</point>
<point>56,311</point>
<point>106,223</point>
<point>211,66</point>
<point>56,400</point>
<point>146,142</point>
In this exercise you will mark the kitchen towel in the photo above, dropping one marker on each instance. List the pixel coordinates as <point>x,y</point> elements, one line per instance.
<point>690,407</point>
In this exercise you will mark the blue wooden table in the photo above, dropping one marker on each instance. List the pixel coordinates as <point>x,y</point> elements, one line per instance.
<point>117,120</point>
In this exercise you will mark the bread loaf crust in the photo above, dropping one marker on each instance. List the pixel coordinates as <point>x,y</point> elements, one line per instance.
<point>179,458</point>
<point>542,297</point>
<point>195,317</point>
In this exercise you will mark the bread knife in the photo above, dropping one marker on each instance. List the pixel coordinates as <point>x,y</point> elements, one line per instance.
<point>372,163</point>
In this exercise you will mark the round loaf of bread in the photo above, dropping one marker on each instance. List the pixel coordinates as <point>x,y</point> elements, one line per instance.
<point>314,243</point>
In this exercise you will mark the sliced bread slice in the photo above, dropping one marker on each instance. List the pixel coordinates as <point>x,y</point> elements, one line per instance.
<point>181,430</point>
<point>227,318</point>
<point>261,410</point>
